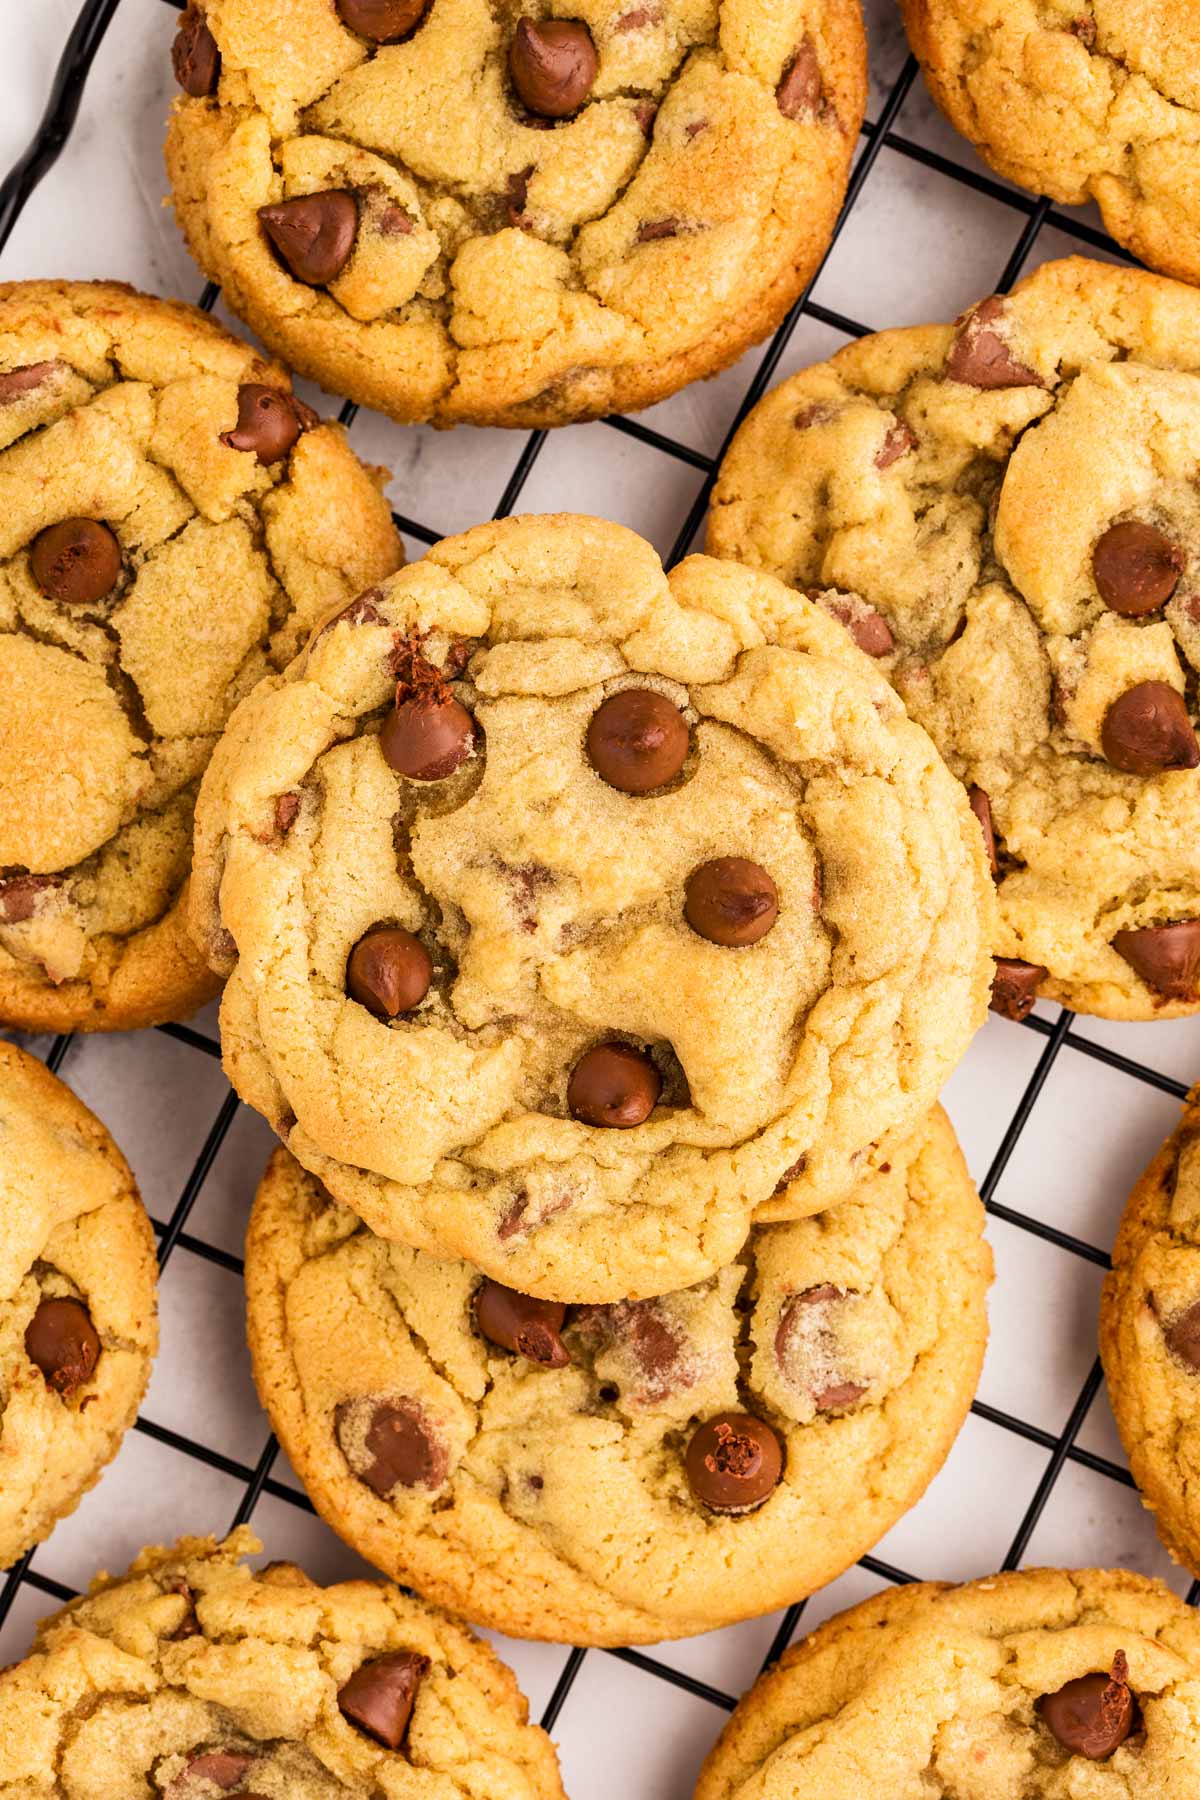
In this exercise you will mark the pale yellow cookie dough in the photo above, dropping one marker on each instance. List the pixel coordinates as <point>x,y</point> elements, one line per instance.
<point>113,411</point>
<point>77,1286</point>
<point>504,268</point>
<point>193,1675</point>
<point>551,905</point>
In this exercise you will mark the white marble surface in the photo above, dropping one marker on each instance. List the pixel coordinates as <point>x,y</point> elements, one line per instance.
<point>919,245</point>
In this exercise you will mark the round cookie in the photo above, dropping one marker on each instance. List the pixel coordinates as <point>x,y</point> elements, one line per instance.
<point>1043,1683</point>
<point>572,1473</point>
<point>1004,514</point>
<point>1081,100</point>
<point>576,914</point>
<point>459,211</point>
<point>1150,1336</point>
<point>172,523</point>
<point>194,1676</point>
<point>78,1328</point>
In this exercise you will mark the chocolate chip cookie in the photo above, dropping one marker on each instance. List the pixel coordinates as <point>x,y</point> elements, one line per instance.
<point>1082,100</point>
<point>1043,1684</point>
<point>194,1676</point>
<point>638,1471</point>
<point>576,914</point>
<point>172,522</point>
<point>1150,1336</point>
<point>463,210</point>
<point>1003,514</point>
<point>77,1314</point>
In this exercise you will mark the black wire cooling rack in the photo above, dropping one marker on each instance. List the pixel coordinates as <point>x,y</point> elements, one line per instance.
<point>1029,217</point>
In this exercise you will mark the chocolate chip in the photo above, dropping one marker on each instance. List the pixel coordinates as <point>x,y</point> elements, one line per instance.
<point>553,65</point>
<point>194,55</point>
<point>1182,1335</point>
<point>382,21</point>
<point>76,562</point>
<point>652,1343</point>
<point>19,895</point>
<point>1014,987</point>
<point>733,1462</point>
<point>360,611</point>
<point>790,1174</point>
<point>869,629</point>
<point>268,422</point>
<point>730,901</point>
<point>388,971</point>
<point>799,92</point>
<point>14,383</point>
<point>981,806</point>
<point>516,194</point>
<point>900,439</point>
<point>390,1444</point>
<point>379,1696</point>
<point>427,737</point>
<point>645,112</point>
<point>1167,957</point>
<point>637,740</point>
<point>1136,568</point>
<point>835,1396</point>
<point>637,18</point>
<point>224,1768</point>
<point>979,355</point>
<point>62,1342</point>
<point>531,1328</point>
<point>1094,1714</point>
<point>1147,728</point>
<point>287,811</point>
<point>613,1085</point>
<point>651,230</point>
<point>314,233</point>
<point>1084,29</point>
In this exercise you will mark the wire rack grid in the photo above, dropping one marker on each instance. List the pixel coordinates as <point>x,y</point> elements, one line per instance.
<point>1056,1115</point>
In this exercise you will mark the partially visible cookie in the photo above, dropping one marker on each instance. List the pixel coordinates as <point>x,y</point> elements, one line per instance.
<point>173,520</point>
<point>465,210</point>
<point>1082,100</point>
<point>1042,1684</point>
<point>1005,514</point>
<point>1150,1336</point>
<point>625,1473</point>
<point>195,1676</point>
<point>77,1301</point>
<point>578,913</point>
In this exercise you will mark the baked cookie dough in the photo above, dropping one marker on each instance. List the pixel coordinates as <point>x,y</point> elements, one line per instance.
<point>77,1312</point>
<point>463,210</point>
<point>1045,1684</point>
<point>576,914</point>
<point>1150,1336</point>
<point>172,523</point>
<point>1004,514</point>
<point>194,1676</point>
<point>1082,100</point>
<point>626,1473</point>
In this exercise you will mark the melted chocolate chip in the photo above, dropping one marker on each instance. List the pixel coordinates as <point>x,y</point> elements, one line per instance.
<point>517,1322</point>
<point>379,1697</point>
<point>313,233</point>
<point>382,21</point>
<point>730,901</point>
<point>613,1085</point>
<point>19,895</point>
<point>360,611</point>
<point>224,1768</point>
<point>15,383</point>
<point>1093,1715</point>
<point>388,971</point>
<point>799,93</point>
<point>637,740</point>
<point>979,356</point>
<point>427,736</point>
<point>1014,987</point>
<point>981,806</point>
<point>194,55</point>
<point>62,1342</point>
<point>1136,568</point>
<point>1182,1335</point>
<point>268,422</point>
<point>869,629</point>
<point>733,1462</point>
<point>900,439</point>
<point>1147,728</point>
<point>390,1444</point>
<point>77,562</point>
<point>1167,957</point>
<point>553,65</point>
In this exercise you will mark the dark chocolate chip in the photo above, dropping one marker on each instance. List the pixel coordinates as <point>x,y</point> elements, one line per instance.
<point>62,1342</point>
<point>313,233</point>
<point>1182,1335</point>
<point>981,806</point>
<point>979,355</point>
<point>531,1328</point>
<point>613,1085</point>
<point>269,422</point>
<point>388,971</point>
<point>553,65</point>
<point>1167,957</point>
<point>1136,568</point>
<point>1147,728</point>
<point>1014,987</point>
<point>730,901</point>
<point>14,383</point>
<point>382,21</point>
<point>799,93</point>
<point>733,1462</point>
<point>427,736</point>
<point>1093,1715</point>
<point>194,55</point>
<point>900,439</point>
<point>76,562</point>
<point>637,740</point>
<point>390,1444</point>
<point>379,1696</point>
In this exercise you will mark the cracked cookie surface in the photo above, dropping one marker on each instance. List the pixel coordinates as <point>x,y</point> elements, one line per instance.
<point>1003,512</point>
<point>173,523</point>
<point>1081,100</point>
<point>77,1301</point>
<point>578,914</point>
<point>547,1486</point>
<point>193,1676</point>
<point>1150,1336</point>
<point>1044,1683</point>
<point>478,213</point>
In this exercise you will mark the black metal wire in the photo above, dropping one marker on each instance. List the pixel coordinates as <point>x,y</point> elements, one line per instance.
<point>62,107</point>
